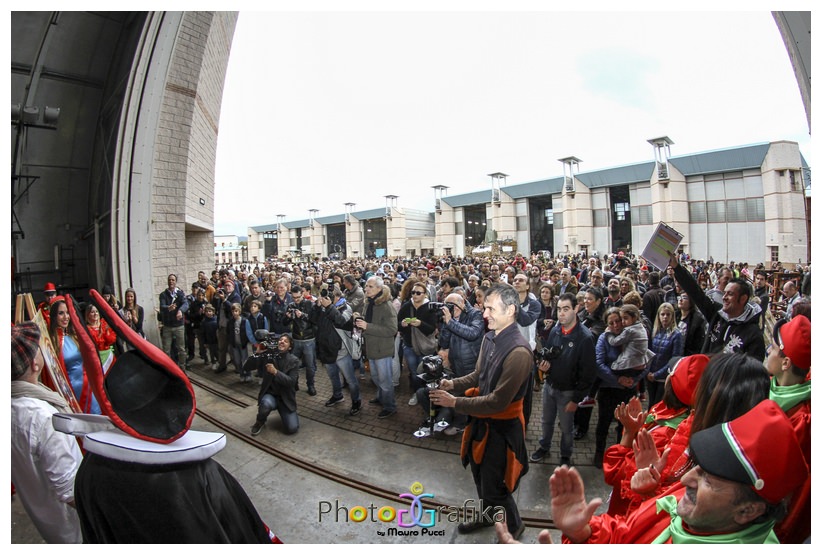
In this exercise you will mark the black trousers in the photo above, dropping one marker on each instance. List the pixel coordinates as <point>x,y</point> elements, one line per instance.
<point>608,399</point>
<point>489,477</point>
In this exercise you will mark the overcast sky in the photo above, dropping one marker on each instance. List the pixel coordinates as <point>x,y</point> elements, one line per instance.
<point>322,108</point>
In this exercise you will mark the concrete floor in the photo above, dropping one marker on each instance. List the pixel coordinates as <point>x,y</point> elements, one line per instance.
<point>382,452</point>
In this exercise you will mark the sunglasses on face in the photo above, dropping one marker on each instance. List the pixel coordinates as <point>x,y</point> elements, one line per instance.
<point>418,292</point>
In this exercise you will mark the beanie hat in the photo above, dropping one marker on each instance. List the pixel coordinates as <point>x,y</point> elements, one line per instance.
<point>685,374</point>
<point>794,339</point>
<point>758,449</point>
<point>25,341</point>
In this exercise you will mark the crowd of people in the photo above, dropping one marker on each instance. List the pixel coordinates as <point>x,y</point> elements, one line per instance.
<point>663,354</point>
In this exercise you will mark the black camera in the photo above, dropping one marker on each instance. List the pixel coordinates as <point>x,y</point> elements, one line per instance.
<point>436,308</point>
<point>271,352</point>
<point>432,371</point>
<point>324,292</point>
<point>547,353</point>
<point>291,310</point>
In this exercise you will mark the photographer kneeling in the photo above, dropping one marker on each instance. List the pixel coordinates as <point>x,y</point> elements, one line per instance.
<point>460,339</point>
<point>278,390</point>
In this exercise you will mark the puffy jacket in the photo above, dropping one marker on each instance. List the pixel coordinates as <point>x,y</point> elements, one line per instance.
<point>463,338</point>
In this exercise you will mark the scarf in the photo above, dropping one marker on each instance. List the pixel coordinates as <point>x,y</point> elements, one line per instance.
<point>676,532</point>
<point>38,391</point>
<point>369,309</point>
<point>788,396</point>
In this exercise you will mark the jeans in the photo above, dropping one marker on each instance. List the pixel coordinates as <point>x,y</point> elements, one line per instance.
<point>291,422</point>
<point>382,368</point>
<point>346,366</point>
<point>413,360</point>
<point>553,406</point>
<point>441,413</point>
<point>397,360</point>
<point>177,334</point>
<point>306,350</point>
<point>238,357</point>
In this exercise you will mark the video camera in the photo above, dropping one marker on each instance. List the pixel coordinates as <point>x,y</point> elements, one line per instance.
<point>433,371</point>
<point>271,352</point>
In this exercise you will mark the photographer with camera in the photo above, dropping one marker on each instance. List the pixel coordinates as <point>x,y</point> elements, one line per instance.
<point>494,439</point>
<point>278,391</point>
<point>568,365</point>
<point>276,305</point>
<point>460,341</point>
<point>224,298</point>
<point>303,331</point>
<point>335,345</point>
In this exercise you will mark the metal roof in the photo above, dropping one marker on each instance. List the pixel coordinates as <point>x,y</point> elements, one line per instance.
<point>296,224</point>
<point>623,175</point>
<point>369,214</point>
<point>469,199</point>
<point>264,228</point>
<point>715,161</point>
<point>331,220</point>
<point>535,188</point>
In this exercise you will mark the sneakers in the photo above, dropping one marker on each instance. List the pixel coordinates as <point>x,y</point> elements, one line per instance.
<point>355,408</point>
<point>214,366</point>
<point>452,431</point>
<point>385,413</point>
<point>374,401</point>
<point>587,403</point>
<point>257,428</point>
<point>220,370</point>
<point>311,390</point>
<point>413,400</point>
<point>189,358</point>
<point>538,455</point>
<point>334,401</point>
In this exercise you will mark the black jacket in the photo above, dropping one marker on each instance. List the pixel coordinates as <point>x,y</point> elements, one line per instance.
<point>575,367</point>
<point>283,386</point>
<point>739,335</point>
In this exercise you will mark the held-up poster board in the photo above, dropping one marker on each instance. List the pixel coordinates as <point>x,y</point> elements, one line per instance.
<point>52,376</point>
<point>665,239</point>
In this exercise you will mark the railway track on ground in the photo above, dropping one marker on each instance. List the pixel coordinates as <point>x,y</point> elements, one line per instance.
<point>321,471</point>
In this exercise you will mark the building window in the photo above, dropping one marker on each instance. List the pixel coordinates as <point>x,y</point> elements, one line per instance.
<point>696,212</point>
<point>641,215</point>
<point>756,209</point>
<point>601,218</point>
<point>549,216</point>
<point>774,255</point>
<point>736,210</point>
<point>620,209</point>
<point>522,223</point>
<point>716,211</point>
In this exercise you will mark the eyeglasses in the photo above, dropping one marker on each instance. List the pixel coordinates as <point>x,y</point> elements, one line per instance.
<point>418,292</point>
